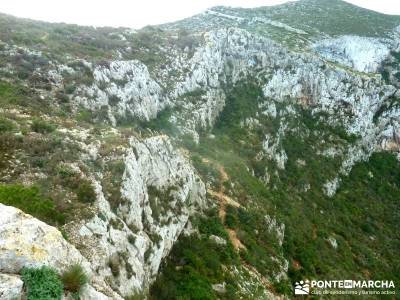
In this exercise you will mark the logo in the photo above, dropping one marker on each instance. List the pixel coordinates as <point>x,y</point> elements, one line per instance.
<point>302,287</point>
<point>344,287</point>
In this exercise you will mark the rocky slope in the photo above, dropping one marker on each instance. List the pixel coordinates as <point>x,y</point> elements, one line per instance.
<point>197,157</point>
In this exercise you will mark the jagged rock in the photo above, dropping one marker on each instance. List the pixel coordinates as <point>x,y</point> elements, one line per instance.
<point>28,242</point>
<point>160,190</point>
<point>218,240</point>
<point>10,287</point>
<point>219,287</point>
<point>125,88</point>
<point>333,242</point>
<point>364,54</point>
<point>274,227</point>
<point>89,293</point>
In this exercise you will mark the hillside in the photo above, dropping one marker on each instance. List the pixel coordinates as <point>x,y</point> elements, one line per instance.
<point>224,156</point>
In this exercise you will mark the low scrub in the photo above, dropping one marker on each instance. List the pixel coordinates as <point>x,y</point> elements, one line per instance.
<point>30,201</point>
<point>42,283</point>
<point>42,127</point>
<point>74,278</point>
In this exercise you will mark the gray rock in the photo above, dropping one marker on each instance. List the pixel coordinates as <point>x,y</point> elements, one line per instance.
<point>219,287</point>
<point>218,240</point>
<point>10,287</point>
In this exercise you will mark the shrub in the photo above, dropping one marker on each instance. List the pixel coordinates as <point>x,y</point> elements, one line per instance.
<point>114,264</point>
<point>42,283</point>
<point>70,89</point>
<point>74,278</point>
<point>6,125</point>
<point>86,193</point>
<point>85,116</point>
<point>131,239</point>
<point>9,93</point>
<point>29,200</point>
<point>42,127</point>
<point>8,141</point>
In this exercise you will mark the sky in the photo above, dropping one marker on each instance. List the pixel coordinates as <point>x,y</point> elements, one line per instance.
<point>139,13</point>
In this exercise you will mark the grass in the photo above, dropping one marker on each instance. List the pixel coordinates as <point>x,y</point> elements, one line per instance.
<point>30,201</point>
<point>195,263</point>
<point>42,283</point>
<point>15,94</point>
<point>74,279</point>
<point>41,126</point>
<point>6,125</point>
<point>9,94</point>
<point>86,192</point>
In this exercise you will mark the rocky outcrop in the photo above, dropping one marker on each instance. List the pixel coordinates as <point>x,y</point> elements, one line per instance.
<point>363,54</point>
<point>28,242</point>
<point>160,190</point>
<point>10,287</point>
<point>121,248</point>
<point>125,89</point>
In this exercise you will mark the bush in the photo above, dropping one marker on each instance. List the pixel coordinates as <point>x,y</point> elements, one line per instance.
<point>70,89</point>
<point>114,264</point>
<point>74,278</point>
<point>42,127</point>
<point>131,239</point>
<point>30,201</point>
<point>6,125</point>
<point>42,283</point>
<point>86,193</point>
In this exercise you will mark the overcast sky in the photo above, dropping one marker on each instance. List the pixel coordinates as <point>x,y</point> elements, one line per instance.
<point>138,13</point>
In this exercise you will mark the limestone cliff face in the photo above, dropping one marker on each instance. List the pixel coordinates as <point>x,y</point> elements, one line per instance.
<point>124,89</point>
<point>121,250</point>
<point>226,56</point>
<point>338,78</point>
<point>160,191</point>
<point>28,242</point>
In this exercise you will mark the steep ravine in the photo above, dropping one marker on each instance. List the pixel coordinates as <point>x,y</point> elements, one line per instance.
<point>209,157</point>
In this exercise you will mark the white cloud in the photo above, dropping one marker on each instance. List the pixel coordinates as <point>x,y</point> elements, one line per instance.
<point>138,13</point>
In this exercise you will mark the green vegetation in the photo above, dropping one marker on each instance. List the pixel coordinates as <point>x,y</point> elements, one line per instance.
<point>161,123</point>
<point>112,180</point>
<point>42,283</point>
<point>195,263</point>
<point>14,94</point>
<point>362,217</point>
<point>45,284</point>
<point>361,209</point>
<point>74,279</point>
<point>6,125</point>
<point>86,192</point>
<point>324,16</point>
<point>30,200</point>
<point>8,93</point>
<point>43,127</point>
<point>359,217</point>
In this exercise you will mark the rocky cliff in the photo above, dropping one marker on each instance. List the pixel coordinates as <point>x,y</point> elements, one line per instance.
<point>195,159</point>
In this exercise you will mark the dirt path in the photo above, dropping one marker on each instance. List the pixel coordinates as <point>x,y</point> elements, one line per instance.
<point>237,244</point>
<point>223,201</point>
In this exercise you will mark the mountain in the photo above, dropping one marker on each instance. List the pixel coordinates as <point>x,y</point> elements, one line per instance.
<point>224,156</point>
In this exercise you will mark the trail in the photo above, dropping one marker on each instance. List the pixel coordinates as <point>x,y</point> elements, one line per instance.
<point>223,201</point>
<point>237,244</point>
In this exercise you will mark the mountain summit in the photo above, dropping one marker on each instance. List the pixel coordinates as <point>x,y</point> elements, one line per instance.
<point>230,155</point>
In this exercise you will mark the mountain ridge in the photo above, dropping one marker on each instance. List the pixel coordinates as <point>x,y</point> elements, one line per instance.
<point>129,143</point>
